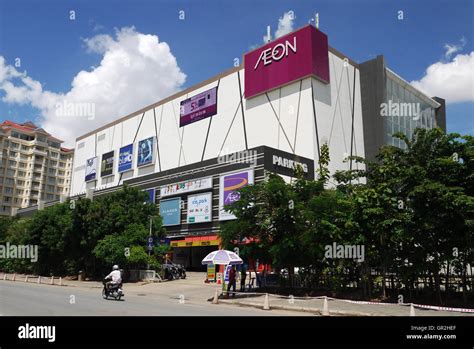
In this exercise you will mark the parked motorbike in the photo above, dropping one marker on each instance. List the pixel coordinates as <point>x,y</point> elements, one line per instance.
<point>174,271</point>
<point>113,291</point>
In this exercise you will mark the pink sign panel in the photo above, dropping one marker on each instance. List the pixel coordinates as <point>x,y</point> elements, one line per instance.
<point>198,107</point>
<point>292,57</point>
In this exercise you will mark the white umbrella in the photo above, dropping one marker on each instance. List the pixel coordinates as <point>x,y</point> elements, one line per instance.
<point>222,257</point>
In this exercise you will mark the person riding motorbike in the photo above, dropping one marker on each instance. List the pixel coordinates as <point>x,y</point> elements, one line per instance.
<point>115,276</point>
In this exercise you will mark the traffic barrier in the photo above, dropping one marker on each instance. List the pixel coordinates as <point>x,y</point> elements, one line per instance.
<point>412,310</point>
<point>266,305</point>
<point>215,300</point>
<point>325,307</point>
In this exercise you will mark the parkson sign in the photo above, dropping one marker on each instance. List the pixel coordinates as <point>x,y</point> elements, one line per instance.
<point>292,57</point>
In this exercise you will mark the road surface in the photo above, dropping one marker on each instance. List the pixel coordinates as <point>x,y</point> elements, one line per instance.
<point>20,299</point>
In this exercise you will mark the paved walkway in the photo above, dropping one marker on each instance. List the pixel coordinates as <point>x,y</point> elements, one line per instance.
<point>336,307</point>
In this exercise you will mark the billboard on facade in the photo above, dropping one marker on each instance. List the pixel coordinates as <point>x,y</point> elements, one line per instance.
<point>186,187</point>
<point>107,164</point>
<point>292,57</point>
<point>91,169</point>
<point>198,107</point>
<point>199,208</point>
<point>170,211</point>
<point>125,160</point>
<point>229,186</point>
<point>146,152</point>
<point>151,195</point>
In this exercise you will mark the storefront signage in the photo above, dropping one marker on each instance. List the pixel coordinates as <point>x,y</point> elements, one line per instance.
<point>186,187</point>
<point>292,57</point>
<point>107,164</point>
<point>198,107</point>
<point>91,169</point>
<point>229,186</point>
<point>125,161</point>
<point>146,152</point>
<point>170,211</point>
<point>199,208</point>
<point>285,163</point>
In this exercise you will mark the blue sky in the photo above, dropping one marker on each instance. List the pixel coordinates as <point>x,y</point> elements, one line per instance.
<point>52,48</point>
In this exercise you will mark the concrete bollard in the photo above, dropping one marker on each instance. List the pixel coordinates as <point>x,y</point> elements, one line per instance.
<point>14,277</point>
<point>266,305</point>
<point>26,278</point>
<point>52,280</point>
<point>39,279</point>
<point>325,307</point>
<point>215,300</point>
<point>412,310</point>
<point>4,276</point>
<point>60,281</point>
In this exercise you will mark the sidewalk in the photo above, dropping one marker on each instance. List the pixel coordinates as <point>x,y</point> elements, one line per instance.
<point>336,307</point>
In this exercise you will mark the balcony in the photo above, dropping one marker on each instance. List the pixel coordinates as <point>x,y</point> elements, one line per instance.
<point>40,152</point>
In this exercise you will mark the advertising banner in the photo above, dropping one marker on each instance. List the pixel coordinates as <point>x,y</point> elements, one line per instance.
<point>125,160</point>
<point>211,272</point>
<point>186,187</point>
<point>291,57</point>
<point>198,107</point>
<point>107,164</point>
<point>229,186</point>
<point>91,169</point>
<point>199,208</point>
<point>151,195</point>
<point>170,211</point>
<point>146,154</point>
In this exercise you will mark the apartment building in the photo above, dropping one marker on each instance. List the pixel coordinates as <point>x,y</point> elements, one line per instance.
<point>34,168</point>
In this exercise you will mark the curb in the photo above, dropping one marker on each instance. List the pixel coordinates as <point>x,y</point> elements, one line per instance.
<point>297,309</point>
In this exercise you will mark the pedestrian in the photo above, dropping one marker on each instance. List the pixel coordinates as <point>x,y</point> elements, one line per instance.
<point>232,274</point>
<point>243,276</point>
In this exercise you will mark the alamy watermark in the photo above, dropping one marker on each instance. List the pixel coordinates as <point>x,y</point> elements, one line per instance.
<point>75,109</point>
<point>238,157</point>
<point>412,110</point>
<point>9,251</point>
<point>336,251</point>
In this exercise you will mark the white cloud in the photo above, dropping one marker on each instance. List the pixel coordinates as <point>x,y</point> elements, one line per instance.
<point>135,70</point>
<point>453,80</point>
<point>453,48</point>
<point>285,25</point>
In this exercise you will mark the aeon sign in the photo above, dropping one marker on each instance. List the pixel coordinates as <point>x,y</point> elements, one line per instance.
<point>292,57</point>
<point>276,53</point>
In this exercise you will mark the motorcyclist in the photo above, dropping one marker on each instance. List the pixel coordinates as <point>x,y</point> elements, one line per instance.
<point>115,276</point>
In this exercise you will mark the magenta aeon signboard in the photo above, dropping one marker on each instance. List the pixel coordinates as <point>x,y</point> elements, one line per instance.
<point>292,57</point>
<point>198,107</point>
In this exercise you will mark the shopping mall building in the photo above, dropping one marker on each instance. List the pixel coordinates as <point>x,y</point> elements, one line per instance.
<point>193,150</point>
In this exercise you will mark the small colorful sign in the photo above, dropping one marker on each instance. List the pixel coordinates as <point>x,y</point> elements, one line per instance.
<point>198,107</point>
<point>186,187</point>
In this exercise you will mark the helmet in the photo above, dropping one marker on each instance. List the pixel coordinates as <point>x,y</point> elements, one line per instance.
<point>115,267</point>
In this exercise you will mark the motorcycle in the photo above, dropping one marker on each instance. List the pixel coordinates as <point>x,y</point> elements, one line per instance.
<point>174,271</point>
<point>113,291</point>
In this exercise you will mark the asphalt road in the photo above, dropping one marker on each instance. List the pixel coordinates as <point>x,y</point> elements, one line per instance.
<point>20,299</point>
